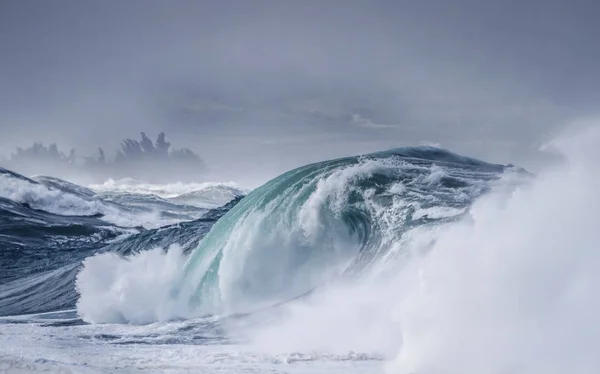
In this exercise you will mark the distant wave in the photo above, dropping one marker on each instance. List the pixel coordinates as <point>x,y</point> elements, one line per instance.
<point>203,195</point>
<point>123,203</point>
<point>62,200</point>
<point>64,186</point>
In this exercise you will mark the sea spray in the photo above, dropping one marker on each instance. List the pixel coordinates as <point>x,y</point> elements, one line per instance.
<point>516,289</point>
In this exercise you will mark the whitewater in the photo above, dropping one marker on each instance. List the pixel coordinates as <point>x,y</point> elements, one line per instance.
<point>412,260</point>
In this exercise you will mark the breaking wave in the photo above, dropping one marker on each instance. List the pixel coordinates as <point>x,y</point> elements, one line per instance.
<point>322,223</point>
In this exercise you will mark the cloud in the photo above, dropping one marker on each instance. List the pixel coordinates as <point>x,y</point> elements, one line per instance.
<point>374,73</point>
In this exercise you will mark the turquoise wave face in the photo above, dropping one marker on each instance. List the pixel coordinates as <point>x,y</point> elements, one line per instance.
<point>327,222</point>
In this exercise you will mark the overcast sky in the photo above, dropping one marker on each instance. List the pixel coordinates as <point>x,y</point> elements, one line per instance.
<point>262,86</point>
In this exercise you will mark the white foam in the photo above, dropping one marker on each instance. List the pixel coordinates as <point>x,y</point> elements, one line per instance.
<point>168,190</point>
<point>332,190</point>
<point>10,364</point>
<point>41,197</point>
<point>338,320</point>
<point>515,290</point>
<point>134,289</point>
<point>33,348</point>
<point>510,289</point>
<point>435,176</point>
<point>209,197</point>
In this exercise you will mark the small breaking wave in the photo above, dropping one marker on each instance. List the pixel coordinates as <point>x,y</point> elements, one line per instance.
<point>126,209</point>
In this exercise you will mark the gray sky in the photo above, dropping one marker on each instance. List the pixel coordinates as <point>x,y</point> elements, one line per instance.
<point>258,87</point>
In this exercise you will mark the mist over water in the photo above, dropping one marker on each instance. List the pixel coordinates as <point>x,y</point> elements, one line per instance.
<point>511,288</point>
<point>142,160</point>
<point>244,84</point>
<point>515,291</point>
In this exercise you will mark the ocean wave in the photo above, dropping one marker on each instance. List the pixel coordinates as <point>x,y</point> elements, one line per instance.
<point>306,228</point>
<point>127,208</point>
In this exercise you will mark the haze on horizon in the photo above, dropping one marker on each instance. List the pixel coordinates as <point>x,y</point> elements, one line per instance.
<point>258,87</point>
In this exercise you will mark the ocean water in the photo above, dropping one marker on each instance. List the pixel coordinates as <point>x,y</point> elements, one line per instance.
<point>410,260</point>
